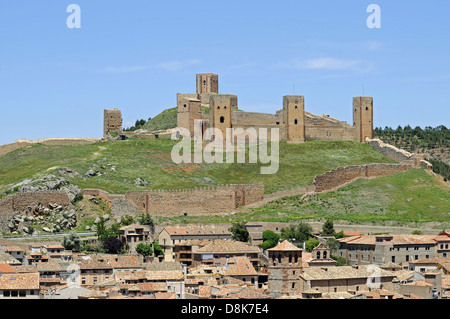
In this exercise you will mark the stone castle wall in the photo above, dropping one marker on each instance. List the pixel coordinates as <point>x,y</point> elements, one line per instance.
<point>198,201</point>
<point>22,143</point>
<point>344,175</point>
<point>20,201</point>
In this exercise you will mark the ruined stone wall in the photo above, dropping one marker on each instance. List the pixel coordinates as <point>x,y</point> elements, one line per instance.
<point>378,170</point>
<point>20,201</point>
<point>343,175</point>
<point>203,201</point>
<point>198,201</point>
<point>324,128</point>
<point>338,177</point>
<point>239,118</point>
<point>390,151</point>
<point>112,121</point>
<point>22,143</point>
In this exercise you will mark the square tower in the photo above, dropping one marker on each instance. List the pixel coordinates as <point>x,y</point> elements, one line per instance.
<point>220,106</point>
<point>207,83</point>
<point>188,110</point>
<point>363,118</point>
<point>285,268</point>
<point>294,118</point>
<point>112,122</point>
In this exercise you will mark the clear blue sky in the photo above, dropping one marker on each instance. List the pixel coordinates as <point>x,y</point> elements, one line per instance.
<point>136,55</point>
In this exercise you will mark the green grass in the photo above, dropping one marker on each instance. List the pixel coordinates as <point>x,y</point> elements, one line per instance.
<point>163,121</point>
<point>150,159</point>
<point>400,197</point>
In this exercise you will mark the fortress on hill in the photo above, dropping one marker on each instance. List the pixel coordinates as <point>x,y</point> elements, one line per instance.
<point>294,123</point>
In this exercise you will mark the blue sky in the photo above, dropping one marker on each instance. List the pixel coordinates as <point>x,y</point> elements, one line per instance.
<point>136,55</point>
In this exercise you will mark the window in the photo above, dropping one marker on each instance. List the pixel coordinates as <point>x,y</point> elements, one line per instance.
<point>222,119</point>
<point>416,257</point>
<point>393,259</point>
<point>296,122</point>
<point>6,293</point>
<point>14,293</point>
<point>407,258</point>
<point>324,255</point>
<point>22,293</point>
<point>293,285</point>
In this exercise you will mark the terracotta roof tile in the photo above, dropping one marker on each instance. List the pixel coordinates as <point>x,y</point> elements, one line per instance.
<point>285,246</point>
<point>19,281</point>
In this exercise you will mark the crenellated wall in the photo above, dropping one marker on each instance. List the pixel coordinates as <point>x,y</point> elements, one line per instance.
<point>20,201</point>
<point>344,175</point>
<point>198,201</point>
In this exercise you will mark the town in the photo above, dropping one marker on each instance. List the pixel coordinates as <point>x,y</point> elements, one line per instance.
<point>210,262</point>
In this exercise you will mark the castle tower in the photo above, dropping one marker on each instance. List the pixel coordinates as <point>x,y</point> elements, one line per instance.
<point>207,83</point>
<point>188,110</point>
<point>363,118</point>
<point>220,111</point>
<point>285,268</point>
<point>294,118</point>
<point>112,122</point>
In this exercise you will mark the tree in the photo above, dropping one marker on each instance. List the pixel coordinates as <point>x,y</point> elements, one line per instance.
<point>144,249</point>
<point>126,220</point>
<point>239,231</point>
<point>72,242</point>
<point>101,230</point>
<point>112,245</point>
<point>302,232</point>
<point>158,250</point>
<point>310,244</point>
<point>270,239</point>
<point>146,219</point>
<point>417,232</point>
<point>333,244</point>
<point>328,228</point>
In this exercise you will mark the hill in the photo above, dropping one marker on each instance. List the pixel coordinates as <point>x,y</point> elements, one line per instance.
<point>120,164</point>
<point>411,198</point>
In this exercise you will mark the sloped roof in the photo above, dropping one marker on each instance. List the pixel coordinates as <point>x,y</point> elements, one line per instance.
<point>285,246</point>
<point>17,281</point>
<point>240,266</point>
<point>227,246</point>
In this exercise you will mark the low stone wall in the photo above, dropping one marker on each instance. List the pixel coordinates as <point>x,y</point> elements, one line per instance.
<point>344,175</point>
<point>337,177</point>
<point>22,143</point>
<point>198,201</point>
<point>390,151</point>
<point>20,201</point>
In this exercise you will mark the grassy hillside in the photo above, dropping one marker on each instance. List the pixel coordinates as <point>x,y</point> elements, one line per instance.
<point>400,197</point>
<point>163,121</point>
<point>121,163</point>
<point>396,200</point>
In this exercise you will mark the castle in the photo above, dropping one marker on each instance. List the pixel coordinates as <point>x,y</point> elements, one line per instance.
<point>294,123</point>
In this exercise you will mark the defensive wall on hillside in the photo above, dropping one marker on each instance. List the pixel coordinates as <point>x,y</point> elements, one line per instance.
<point>22,143</point>
<point>20,201</point>
<point>198,201</point>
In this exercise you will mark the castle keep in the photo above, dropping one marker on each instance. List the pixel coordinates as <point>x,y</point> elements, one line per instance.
<point>294,123</point>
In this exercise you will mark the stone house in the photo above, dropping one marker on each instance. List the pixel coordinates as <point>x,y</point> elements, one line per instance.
<point>15,252</point>
<point>170,236</point>
<point>350,279</point>
<point>19,286</point>
<point>242,269</point>
<point>399,249</point>
<point>217,252</point>
<point>135,234</point>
